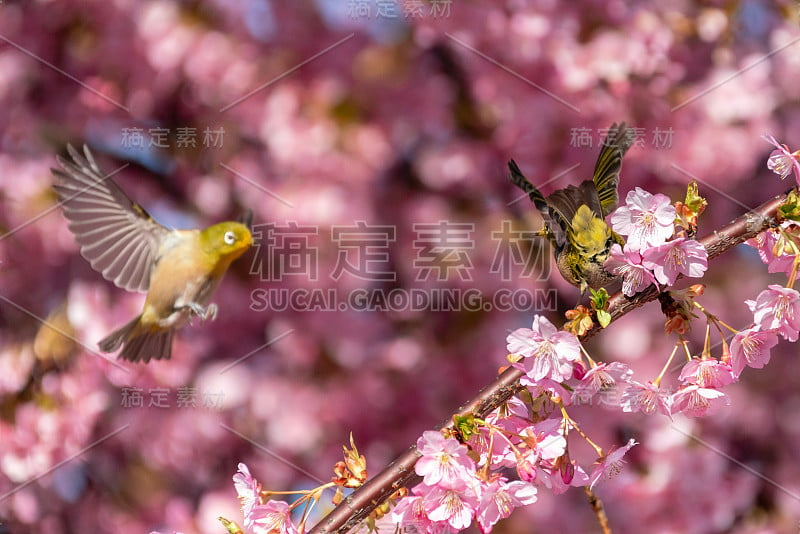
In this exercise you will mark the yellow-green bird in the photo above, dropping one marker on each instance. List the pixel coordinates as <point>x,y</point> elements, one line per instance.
<point>574,217</point>
<point>179,269</point>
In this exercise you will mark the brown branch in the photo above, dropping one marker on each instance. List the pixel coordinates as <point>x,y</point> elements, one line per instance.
<point>598,509</point>
<point>399,473</point>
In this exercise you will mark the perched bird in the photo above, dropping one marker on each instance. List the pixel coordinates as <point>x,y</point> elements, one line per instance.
<point>179,269</point>
<point>574,217</point>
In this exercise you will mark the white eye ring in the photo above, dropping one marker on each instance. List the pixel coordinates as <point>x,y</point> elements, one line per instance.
<point>229,238</point>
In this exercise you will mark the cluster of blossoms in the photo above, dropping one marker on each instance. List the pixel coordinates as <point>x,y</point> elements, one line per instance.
<point>454,492</point>
<point>264,515</point>
<point>776,310</point>
<point>272,516</point>
<point>652,254</point>
<point>261,516</point>
<point>551,360</point>
<point>466,482</point>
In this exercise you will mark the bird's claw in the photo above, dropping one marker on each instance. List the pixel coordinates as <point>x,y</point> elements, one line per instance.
<point>209,312</point>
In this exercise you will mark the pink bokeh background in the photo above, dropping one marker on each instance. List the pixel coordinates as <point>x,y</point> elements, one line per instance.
<point>396,114</point>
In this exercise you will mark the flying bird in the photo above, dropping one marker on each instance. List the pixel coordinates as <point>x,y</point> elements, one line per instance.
<point>179,269</point>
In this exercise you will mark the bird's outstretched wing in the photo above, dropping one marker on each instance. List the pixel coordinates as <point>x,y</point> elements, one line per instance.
<point>552,219</point>
<point>117,236</point>
<point>606,172</point>
<point>565,203</point>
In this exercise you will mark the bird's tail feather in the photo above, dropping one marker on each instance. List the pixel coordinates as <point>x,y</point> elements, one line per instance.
<point>115,339</point>
<point>155,345</point>
<point>138,344</point>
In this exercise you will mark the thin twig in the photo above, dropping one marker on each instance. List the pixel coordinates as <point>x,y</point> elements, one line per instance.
<point>598,509</point>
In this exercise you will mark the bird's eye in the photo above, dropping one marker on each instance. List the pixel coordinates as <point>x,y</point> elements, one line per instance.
<point>229,238</point>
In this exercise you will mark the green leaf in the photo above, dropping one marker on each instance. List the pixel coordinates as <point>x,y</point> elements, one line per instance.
<point>599,298</point>
<point>465,425</point>
<point>230,526</point>
<point>791,208</point>
<point>604,318</point>
<point>694,201</point>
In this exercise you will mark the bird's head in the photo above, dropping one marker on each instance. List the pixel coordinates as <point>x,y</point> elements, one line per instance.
<point>226,241</point>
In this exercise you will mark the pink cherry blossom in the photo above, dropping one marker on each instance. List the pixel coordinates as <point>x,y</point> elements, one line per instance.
<point>456,507</point>
<point>512,407</point>
<point>707,373</point>
<point>543,441</point>
<point>781,161</point>
<point>499,498</point>
<point>676,257</point>
<point>547,386</point>
<point>604,377</point>
<point>274,517</point>
<point>764,243</point>
<point>444,461</point>
<point>647,219</point>
<point>646,398</point>
<point>627,263</point>
<point>526,465</point>
<point>410,512</point>
<point>547,351</point>
<point>559,480</point>
<point>546,438</point>
<point>697,401</point>
<point>611,464</point>
<point>247,488</point>
<point>777,308</point>
<point>752,348</point>
<point>495,445</point>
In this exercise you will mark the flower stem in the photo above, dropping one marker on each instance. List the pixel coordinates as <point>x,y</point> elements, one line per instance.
<point>657,381</point>
<point>571,422</point>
